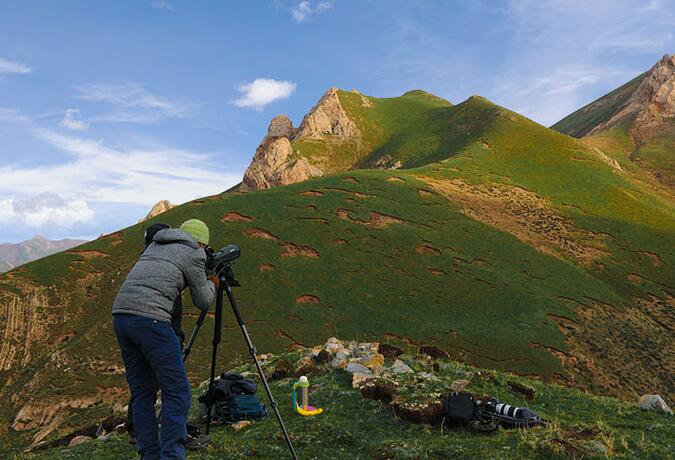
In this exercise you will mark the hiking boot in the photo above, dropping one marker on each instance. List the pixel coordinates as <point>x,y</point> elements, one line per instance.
<point>197,442</point>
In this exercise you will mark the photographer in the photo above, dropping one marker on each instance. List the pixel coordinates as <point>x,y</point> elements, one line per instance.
<point>150,348</point>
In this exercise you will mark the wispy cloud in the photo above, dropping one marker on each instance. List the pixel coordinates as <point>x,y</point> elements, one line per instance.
<point>45,209</point>
<point>133,103</point>
<point>263,91</point>
<point>161,5</point>
<point>73,121</point>
<point>96,172</point>
<point>305,10</point>
<point>566,53</point>
<point>7,67</point>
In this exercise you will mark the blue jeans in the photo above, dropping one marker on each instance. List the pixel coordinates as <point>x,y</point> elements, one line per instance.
<point>153,360</point>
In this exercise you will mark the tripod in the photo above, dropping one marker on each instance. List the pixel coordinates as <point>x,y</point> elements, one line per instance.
<point>227,280</point>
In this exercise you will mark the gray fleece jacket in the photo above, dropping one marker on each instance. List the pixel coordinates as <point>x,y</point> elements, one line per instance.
<point>172,262</point>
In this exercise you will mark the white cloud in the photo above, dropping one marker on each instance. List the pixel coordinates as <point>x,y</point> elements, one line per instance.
<point>161,5</point>
<point>304,10</point>
<point>44,209</point>
<point>7,66</point>
<point>71,120</point>
<point>263,91</point>
<point>98,173</point>
<point>135,103</point>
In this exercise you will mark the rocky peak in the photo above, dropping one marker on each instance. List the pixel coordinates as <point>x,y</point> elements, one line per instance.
<point>159,208</point>
<point>273,163</point>
<point>281,126</point>
<point>328,118</point>
<point>651,103</point>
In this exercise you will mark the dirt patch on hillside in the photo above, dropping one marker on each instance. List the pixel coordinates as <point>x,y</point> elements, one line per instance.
<point>395,179</point>
<point>655,259</point>
<point>351,180</point>
<point>426,193</point>
<point>311,193</point>
<point>235,217</point>
<point>89,254</point>
<point>294,250</point>
<point>256,232</point>
<point>436,271</point>
<point>377,220</point>
<point>349,192</point>
<point>266,267</point>
<point>307,298</point>
<point>319,220</point>
<point>428,250</point>
<point>622,351</point>
<point>525,215</point>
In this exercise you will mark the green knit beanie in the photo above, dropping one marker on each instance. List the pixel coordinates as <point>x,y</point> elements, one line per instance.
<point>197,229</point>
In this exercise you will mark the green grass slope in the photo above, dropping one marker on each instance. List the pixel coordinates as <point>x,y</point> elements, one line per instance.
<point>352,427</point>
<point>517,249</point>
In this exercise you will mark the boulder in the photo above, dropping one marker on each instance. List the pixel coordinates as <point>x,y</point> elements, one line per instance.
<point>399,367</point>
<point>655,403</point>
<point>354,368</point>
<point>372,361</point>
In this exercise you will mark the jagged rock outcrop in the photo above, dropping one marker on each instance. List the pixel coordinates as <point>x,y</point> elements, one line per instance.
<point>327,118</point>
<point>159,208</point>
<point>275,162</point>
<point>651,103</point>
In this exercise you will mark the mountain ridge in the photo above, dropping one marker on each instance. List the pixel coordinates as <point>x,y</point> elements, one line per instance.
<point>635,123</point>
<point>13,255</point>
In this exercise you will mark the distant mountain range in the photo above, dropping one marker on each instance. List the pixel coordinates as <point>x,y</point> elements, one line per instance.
<point>14,254</point>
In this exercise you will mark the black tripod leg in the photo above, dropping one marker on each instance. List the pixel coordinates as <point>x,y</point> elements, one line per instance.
<point>252,350</point>
<point>214,352</point>
<point>193,336</point>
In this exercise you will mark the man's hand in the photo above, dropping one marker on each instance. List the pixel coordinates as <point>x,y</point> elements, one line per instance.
<point>215,280</point>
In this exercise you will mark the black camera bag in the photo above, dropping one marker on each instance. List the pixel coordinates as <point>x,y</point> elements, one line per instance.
<point>458,409</point>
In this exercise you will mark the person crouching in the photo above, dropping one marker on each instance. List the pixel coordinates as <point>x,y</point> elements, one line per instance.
<point>150,348</point>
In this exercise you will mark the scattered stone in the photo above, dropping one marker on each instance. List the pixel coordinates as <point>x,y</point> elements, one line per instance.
<point>434,352</point>
<point>527,391</point>
<point>79,440</point>
<point>655,403</point>
<point>354,368</point>
<point>339,362</point>
<point>373,361</point>
<point>389,351</point>
<point>399,367</point>
<point>240,425</point>
<point>359,378</point>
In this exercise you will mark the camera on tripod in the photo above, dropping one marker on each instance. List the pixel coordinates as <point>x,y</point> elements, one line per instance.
<point>219,262</point>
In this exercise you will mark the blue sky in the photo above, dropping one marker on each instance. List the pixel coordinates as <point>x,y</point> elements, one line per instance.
<point>108,107</point>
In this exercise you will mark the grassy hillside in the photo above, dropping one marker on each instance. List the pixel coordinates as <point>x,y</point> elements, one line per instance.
<point>509,245</point>
<point>352,427</point>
